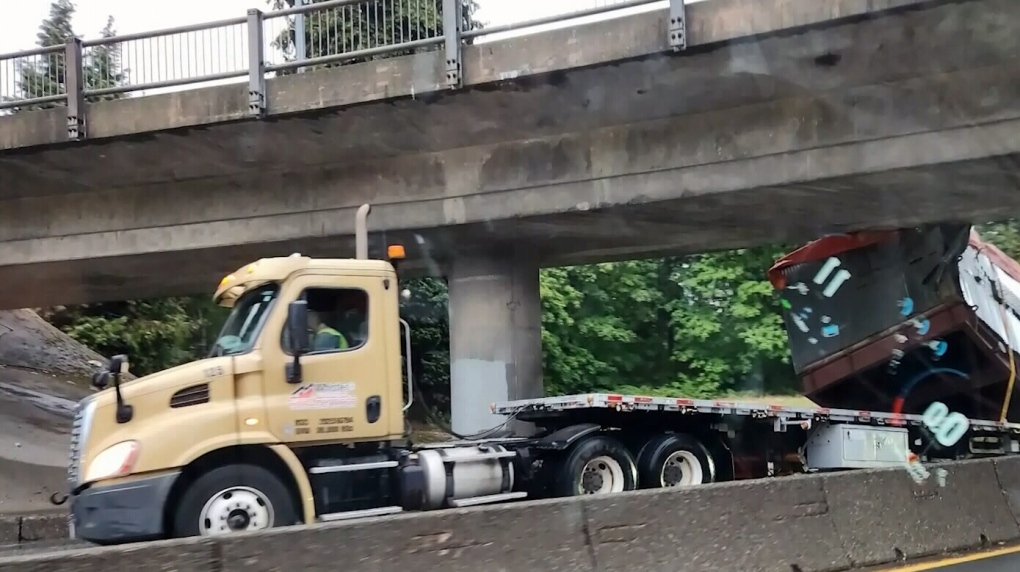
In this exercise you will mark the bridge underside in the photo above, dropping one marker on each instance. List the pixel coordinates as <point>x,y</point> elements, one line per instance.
<point>906,118</point>
<point>976,190</point>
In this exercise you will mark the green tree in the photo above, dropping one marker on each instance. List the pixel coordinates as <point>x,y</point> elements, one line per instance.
<point>426,313</point>
<point>1003,234</point>
<point>155,334</point>
<point>697,326</point>
<point>47,75</point>
<point>728,330</point>
<point>368,25</point>
<point>103,67</point>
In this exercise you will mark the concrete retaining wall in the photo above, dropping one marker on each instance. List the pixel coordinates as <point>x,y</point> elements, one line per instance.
<point>19,529</point>
<point>818,523</point>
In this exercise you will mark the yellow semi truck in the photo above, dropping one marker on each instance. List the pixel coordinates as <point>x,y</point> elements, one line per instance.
<point>297,416</point>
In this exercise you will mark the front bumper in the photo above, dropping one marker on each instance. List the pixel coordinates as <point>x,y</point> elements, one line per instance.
<point>124,512</point>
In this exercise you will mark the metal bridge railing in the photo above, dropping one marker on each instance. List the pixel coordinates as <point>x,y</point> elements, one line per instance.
<point>307,35</point>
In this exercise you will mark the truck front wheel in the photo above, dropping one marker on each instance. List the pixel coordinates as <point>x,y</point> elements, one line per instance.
<point>233,498</point>
<point>596,465</point>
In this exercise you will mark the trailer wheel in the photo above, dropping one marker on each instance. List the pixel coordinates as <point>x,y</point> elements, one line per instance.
<point>233,498</point>
<point>596,465</point>
<point>674,460</point>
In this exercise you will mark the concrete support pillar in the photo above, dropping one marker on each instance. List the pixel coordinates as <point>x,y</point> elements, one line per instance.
<point>495,338</point>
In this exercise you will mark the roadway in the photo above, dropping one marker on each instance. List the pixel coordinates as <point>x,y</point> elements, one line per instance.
<point>999,560</point>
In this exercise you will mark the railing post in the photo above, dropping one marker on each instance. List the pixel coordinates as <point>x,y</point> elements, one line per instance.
<point>453,19</point>
<point>256,65</point>
<point>74,84</point>
<point>300,49</point>
<point>677,25</point>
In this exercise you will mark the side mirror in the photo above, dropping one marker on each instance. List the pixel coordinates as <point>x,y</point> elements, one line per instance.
<point>297,327</point>
<point>100,379</point>
<point>297,331</point>
<point>118,364</point>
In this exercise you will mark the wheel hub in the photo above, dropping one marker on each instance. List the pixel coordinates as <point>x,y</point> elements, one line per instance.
<point>672,474</point>
<point>236,509</point>
<point>591,481</point>
<point>601,475</point>
<point>680,469</point>
<point>238,520</point>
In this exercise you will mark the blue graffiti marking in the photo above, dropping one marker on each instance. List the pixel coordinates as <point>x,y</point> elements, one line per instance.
<point>906,306</point>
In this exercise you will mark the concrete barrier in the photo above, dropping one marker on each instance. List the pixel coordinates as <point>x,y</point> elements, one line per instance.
<point>780,524</point>
<point>1008,471</point>
<point>816,523</point>
<point>547,535</point>
<point>22,528</point>
<point>882,516</point>
<point>186,555</point>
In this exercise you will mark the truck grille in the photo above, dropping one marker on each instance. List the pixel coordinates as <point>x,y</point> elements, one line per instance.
<point>79,432</point>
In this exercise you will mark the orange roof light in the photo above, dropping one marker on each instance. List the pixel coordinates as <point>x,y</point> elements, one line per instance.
<point>395,252</point>
<point>226,280</point>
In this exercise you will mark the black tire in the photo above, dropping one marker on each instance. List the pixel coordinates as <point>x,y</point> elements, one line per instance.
<point>653,472</point>
<point>262,490</point>
<point>570,477</point>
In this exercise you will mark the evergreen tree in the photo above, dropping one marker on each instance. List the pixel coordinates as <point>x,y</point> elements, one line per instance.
<point>46,75</point>
<point>368,25</point>
<point>103,67</point>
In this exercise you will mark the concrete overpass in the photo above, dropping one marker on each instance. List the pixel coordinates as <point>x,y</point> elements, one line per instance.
<point>784,119</point>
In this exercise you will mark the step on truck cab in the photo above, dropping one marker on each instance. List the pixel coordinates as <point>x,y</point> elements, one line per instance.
<point>297,416</point>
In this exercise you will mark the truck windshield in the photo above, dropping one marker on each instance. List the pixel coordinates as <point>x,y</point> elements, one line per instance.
<point>245,321</point>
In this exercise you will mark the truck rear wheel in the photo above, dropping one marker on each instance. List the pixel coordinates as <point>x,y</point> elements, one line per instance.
<point>233,498</point>
<point>596,465</point>
<point>674,460</point>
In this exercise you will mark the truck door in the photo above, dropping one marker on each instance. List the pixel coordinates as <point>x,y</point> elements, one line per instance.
<point>343,391</point>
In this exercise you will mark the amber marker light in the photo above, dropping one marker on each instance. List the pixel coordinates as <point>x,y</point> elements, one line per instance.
<point>395,252</point>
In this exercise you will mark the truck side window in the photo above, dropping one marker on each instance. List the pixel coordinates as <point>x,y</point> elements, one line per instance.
<point>337,319</point>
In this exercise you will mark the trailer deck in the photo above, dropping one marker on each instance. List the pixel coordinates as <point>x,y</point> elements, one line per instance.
<point>526,409</point>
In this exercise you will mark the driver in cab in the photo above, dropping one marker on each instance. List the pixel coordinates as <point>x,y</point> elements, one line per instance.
<point>326,338</point>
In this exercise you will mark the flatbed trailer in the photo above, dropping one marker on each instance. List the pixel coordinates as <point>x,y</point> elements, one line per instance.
<point>753,440</point>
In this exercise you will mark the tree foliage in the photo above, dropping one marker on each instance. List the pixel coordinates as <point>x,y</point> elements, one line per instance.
<point>156,334</point>
<point>47,75</point>
<point>367,25</point>
<point>697,326</point>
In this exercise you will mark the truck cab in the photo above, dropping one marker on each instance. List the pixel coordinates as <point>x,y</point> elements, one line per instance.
<point>249,407</point>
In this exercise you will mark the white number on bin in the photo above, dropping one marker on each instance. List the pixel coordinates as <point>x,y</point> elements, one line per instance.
<point>947,427</point>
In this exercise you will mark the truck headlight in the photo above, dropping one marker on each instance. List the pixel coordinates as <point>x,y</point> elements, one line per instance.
<point>115,461</point>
